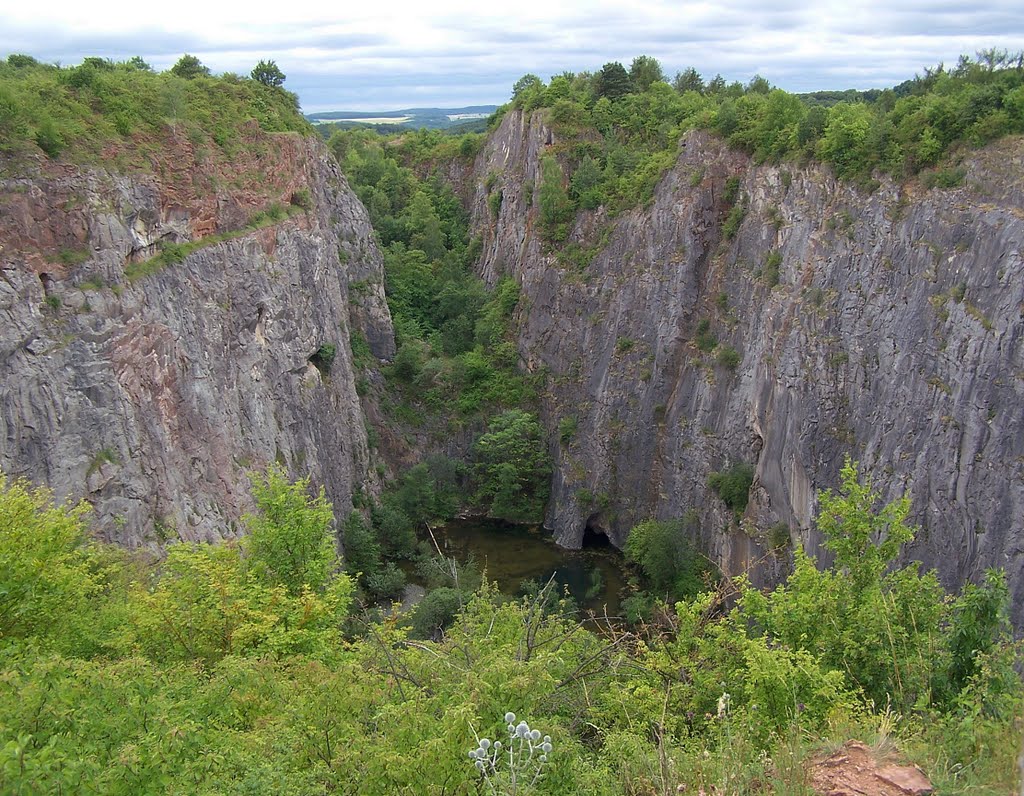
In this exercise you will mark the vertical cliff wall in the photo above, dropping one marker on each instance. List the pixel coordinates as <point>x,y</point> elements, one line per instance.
<point>885,326</point>
<point>152,395</point>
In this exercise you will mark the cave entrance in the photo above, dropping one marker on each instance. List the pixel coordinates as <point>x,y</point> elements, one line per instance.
<point>595,537</point>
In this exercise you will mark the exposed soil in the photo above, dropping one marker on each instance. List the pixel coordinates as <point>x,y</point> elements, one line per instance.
<point>856,770</point>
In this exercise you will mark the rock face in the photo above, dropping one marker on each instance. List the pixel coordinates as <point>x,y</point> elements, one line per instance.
<point>888,327</point>
<point>152,397</point>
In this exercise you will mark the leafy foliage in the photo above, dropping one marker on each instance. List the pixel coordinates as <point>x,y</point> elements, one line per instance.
<point>290,539</point>
<point>189,67</point>
<point>268,73</point>
<point>733,485</point>
<point>626,126</point>
<point>75,112</point>
<point>513,467</point>
<point>453,334</point>
<point>204,674</point>
<point>664,551</point>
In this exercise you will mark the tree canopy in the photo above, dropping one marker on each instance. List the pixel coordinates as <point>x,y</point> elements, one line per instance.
<point>189,67</point>
<point>268,73</point>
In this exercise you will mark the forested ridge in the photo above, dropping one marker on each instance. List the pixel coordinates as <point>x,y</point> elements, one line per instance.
<point>269,664</point>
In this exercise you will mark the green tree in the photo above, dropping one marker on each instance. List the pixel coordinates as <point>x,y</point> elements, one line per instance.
<point>644,71</point>
<point>884,628</point>
<point>556,210</point>
<point>362,551</point>
<point>527,91</point>
<point>688,80</point>
<point>268,73</point>
<point>513,467</point>
<point>846,132</point>
<point>190,67</point>
<point>612,81</point>
<point>290,539</point>
<point>664,551</point>
<point>586,184</point>
<point>48,572</point>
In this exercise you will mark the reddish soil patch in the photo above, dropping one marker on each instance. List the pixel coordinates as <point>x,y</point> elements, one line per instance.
<point>855,770</point>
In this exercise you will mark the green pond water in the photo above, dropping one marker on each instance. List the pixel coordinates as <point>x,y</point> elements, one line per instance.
<point>510,554</point>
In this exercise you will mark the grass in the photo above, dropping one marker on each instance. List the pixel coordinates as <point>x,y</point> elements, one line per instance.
<point>174,253</point>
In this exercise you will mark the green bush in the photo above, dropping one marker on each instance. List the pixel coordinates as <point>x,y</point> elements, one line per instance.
<point>733,485</point>
<point>513,468</point>
<point>770,272</point>
<point>727,357</point>
<point>705,339</point>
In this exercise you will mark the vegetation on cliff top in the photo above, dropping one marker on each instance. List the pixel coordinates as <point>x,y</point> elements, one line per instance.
<point>618,130</point>
<point>238,668</point>
<point>79,111</point>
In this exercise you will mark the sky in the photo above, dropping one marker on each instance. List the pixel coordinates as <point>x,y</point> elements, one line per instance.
<point>451,53</point>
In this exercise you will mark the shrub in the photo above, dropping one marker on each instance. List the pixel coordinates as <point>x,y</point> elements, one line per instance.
<point>513,467</point>
<point>733,486</point>
<point>770,272</point>
<point>705,339</point>
<point>733,221</point>
<point>567,428</point>
<point>436,611</point>
<point>323,357</point>
<point>728,357</point>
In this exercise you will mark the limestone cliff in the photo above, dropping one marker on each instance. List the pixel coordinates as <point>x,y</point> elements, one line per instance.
<point>886,326</point>
<point>152,394</point>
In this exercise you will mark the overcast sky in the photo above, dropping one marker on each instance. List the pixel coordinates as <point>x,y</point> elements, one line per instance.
<point>389,55</point>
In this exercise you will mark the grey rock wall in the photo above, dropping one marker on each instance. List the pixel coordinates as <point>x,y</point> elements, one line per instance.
<point>152,399</point>
<point>894,335</point>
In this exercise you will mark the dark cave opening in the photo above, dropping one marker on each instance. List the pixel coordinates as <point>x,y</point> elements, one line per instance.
<point>594,537</point>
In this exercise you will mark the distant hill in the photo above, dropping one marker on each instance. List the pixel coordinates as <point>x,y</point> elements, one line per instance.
<point>434,118</point>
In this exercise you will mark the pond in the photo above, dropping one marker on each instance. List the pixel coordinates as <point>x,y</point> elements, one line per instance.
<point>595,576</point>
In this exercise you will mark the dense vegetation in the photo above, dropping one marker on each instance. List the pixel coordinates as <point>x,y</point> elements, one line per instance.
<point>456,362</point>
<point>618,129</point>
<point>453,335</point>
<point>239,668</point>
<point>80,112</point>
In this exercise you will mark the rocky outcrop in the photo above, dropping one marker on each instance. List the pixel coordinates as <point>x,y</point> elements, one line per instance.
<point>885,326</point>
<point>152,395</point>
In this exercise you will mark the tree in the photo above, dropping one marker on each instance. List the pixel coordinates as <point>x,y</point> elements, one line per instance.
<point>190,67</point>
<point>267,73</point>
<point>513,467</point>
<point>586,184</point>
<point>555,208</point>
<point>663,550</point>
<point>612,81</point>
<point>526,86</point>
<point>758,85</point>
<point>137,63</point>
<point>290,539</point>
<point>644,71</point>
<point>688,80</point>
<point>47,567</point>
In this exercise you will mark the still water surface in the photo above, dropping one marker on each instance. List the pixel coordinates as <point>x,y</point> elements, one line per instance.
<point>510,554</point>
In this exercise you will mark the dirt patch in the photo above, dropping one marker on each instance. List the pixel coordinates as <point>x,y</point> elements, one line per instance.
<point>856,770</point>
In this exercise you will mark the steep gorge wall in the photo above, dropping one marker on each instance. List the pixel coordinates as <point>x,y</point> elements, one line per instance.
<point>153,397</point>
<point>895,335</point>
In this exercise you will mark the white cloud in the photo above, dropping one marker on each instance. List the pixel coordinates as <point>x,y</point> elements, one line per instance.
<point>464,51</point>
